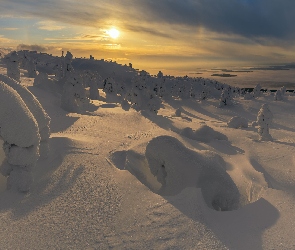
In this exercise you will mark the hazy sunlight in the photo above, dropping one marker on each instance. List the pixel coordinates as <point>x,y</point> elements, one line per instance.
<point>113,33</point>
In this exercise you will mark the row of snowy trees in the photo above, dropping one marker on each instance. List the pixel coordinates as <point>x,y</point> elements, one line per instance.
<point>137,90</point>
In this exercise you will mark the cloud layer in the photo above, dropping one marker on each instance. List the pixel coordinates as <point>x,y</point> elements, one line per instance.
<point>248,18</point>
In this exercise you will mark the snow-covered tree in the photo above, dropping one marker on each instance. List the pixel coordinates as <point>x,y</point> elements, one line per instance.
<point>12,63</point>
<point>67,64</point>
<point>226,98</point>
<point>257,91</point>
<point>41,78</point>
<point>264,120</point>
<point>185,89</point>
<point>111,88</point>
<point>20,132</point>
<point>248,95</point>
<point>278,95</point>
<point>160,74</point>
<point>73,95</point>
<point>283,90</point>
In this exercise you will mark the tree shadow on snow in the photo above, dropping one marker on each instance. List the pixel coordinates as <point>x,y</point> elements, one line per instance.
<point>47,185</point>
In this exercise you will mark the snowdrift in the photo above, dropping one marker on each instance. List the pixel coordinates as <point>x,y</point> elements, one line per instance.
<point>175,167</point>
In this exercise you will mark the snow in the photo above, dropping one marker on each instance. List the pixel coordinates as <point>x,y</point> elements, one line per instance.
<point>117,179</point>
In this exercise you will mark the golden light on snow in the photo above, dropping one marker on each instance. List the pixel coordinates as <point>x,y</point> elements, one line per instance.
<point>113,33</point>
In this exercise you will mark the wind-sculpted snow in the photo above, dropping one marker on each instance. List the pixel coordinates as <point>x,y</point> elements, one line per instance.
<point>20,132</point>
<point>176,167</point>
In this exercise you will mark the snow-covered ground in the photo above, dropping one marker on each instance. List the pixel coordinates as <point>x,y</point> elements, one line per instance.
<point>97,189</point>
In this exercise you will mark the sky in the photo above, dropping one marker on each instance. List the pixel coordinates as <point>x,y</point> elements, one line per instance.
<point>167,35</point>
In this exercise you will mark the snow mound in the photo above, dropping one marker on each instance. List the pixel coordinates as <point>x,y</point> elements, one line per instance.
<point>237,122</point>
<point>167,167</point>
<point>203,134</point>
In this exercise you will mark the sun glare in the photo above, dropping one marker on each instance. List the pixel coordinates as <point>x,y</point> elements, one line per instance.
<point>113,33</point>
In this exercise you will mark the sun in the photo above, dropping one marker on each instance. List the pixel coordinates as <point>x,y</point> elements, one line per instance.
<point>113,33</point>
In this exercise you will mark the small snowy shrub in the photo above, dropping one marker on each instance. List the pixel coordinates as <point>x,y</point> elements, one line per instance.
<point>237,122</point>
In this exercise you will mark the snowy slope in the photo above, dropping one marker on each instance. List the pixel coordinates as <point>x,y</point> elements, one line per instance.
<point>87,196</point>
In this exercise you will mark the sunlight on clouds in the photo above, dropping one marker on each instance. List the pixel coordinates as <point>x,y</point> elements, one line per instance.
<point>49,25</point>
<point>113,33</point>
<point>9,28</point>
<point>6,40</point>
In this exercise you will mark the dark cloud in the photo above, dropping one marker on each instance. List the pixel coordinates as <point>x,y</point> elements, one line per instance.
<point>261,18</point>
<point>150,31</point>
<point>247,18</point>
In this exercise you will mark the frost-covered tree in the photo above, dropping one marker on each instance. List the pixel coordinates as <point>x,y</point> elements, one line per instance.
<point>67,64</point>
<point>12,63</point>
<point>90,81</point>
<point>283,90</point>
<point>257,91</point>
<point>111,89</point>
<point>152,103</point>
<point>225,98</point>
<point>31,68</point>
<point>185,89</point>
<point>160,74</point>
<point>248,95</point>
<point>264,120</point>
<point>41,78</point>
<point>73,95</point>
<point>278,95</point>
